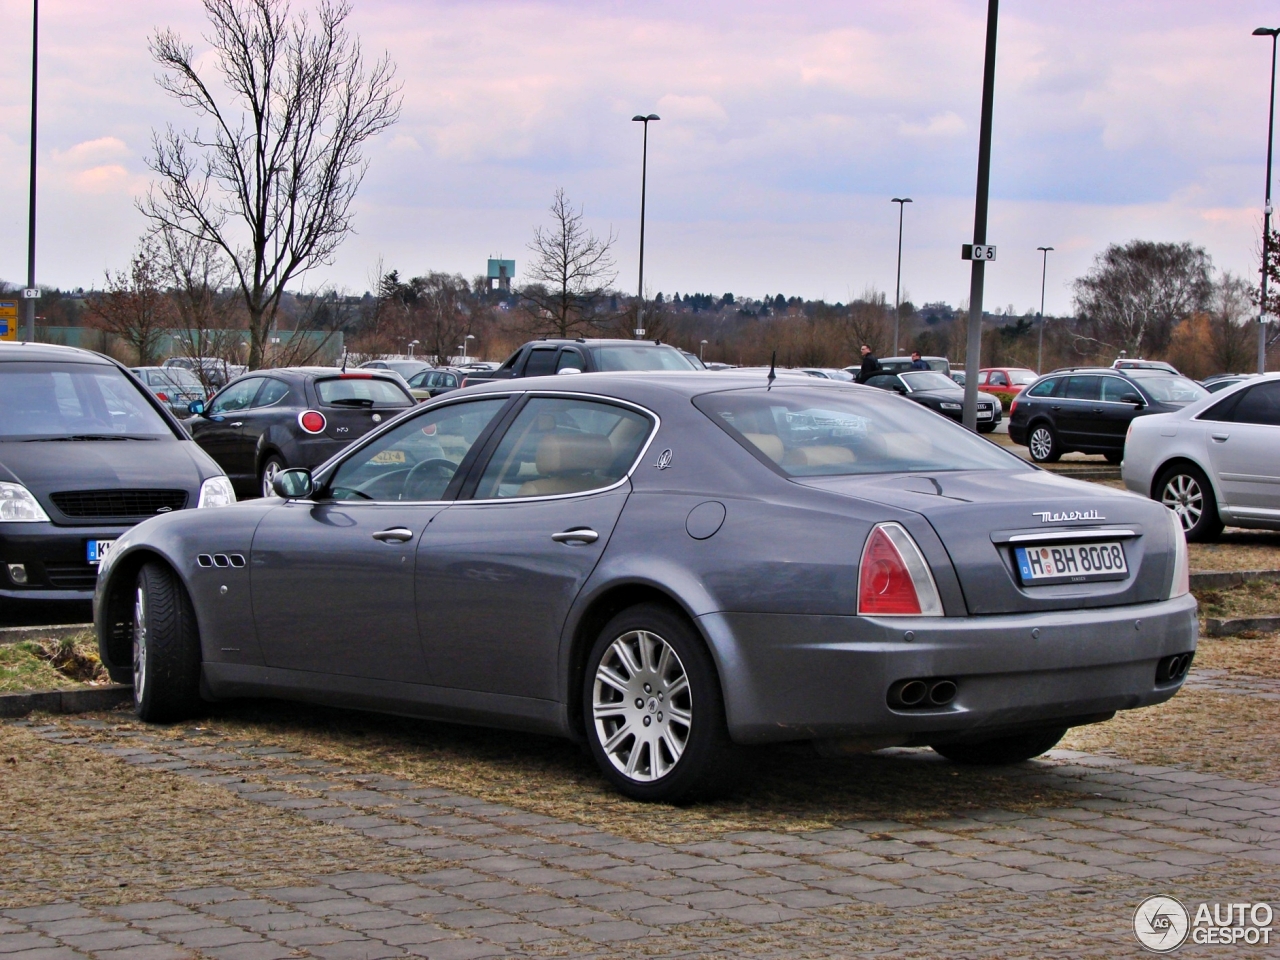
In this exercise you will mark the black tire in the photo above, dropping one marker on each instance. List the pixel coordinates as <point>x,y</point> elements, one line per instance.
<point>1002,750</point>
<point>1184,489</point>
<point>1043,443</point>
<point>1114,456</point>
<point>166,648</point>
<point>267,472</point>
<point>707,762</point>
<point>120,675</point>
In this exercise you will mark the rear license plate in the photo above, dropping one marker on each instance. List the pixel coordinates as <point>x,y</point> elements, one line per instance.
<point>1071,563</point>
<point>96,550</point>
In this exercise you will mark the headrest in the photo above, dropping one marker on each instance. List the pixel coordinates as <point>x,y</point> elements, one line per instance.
<point>770,444</point>
<point>573,452</point>
<point>824,456</point>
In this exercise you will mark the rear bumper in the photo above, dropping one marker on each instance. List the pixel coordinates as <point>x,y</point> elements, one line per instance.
<point>789,677</point>
<point>54,558</point>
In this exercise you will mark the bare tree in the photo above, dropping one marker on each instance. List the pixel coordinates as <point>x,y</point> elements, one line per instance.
<point>272,182</point>
<point>1137,293</point>
<point>1230,315</point>
<point>435,310</point>
<point>571,269</point>
<point>133,306</point>
<point>209,315</point>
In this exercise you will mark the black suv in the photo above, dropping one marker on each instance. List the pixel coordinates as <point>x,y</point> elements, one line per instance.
<point>1089,408</point>
<point>545,357</point>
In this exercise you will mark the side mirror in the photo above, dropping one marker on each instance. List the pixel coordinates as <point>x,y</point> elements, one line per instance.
<point>567,370</point>
<point>1133,398</point>
<point>901,390</point>
<point>295,484</point>
<point>196,407</point>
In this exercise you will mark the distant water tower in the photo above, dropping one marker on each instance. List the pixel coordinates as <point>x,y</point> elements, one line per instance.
<point>500,274</point>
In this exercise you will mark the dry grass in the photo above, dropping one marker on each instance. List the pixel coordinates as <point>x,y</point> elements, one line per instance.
<point>69,827</point>
<point>786,788</point>
<point>50,664</point>
<point>1241,655</point>
<point>1256,598</point>
<point>1238,549</point>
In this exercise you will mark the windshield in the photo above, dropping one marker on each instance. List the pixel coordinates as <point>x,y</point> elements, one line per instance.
<point>52,401</point>
<point>815,432</point>
<point>1167,388</point>
<point>640,357</point>
<point>357,391</point>
<point>928,380</point>
<point>1021,378</point>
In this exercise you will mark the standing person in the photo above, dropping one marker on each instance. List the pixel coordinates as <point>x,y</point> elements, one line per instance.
<point>916,362</point>
<point>870,365</point>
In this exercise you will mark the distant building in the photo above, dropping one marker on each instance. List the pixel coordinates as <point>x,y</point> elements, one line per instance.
<point>500,274</point>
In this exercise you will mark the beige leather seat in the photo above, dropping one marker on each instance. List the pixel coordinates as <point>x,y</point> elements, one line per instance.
<point>568,463</point>
<point>770,444</point>
<point>824,456</point>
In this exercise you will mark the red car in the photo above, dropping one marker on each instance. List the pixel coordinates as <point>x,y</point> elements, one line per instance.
<point>1005,382</point>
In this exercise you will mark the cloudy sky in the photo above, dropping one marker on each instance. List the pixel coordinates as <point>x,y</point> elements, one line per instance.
<point>786,127</point>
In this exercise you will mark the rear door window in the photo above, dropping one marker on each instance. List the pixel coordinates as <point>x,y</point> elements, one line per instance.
<point>541,363</point>
<point>560,446</point>
<point>1083,388</point>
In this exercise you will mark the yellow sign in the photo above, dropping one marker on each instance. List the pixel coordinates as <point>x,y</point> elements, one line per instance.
<point>8,320</point>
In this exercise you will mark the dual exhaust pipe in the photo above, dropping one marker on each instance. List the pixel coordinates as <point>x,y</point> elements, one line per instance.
<point>1174,668</point>
<point>922,694</point>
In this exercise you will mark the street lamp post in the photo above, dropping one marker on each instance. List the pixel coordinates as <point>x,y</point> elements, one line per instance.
<point>897,289</point>
<point>469,336</point>
<point>28,295</point>
<point>412,344</point>
<point>1044,267</point>
<point>1271,32</point>
<point>702,347</point>
<point>644,171</point>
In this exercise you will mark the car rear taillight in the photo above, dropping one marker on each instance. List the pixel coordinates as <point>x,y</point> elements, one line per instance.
<point>893,578</point>
<point>162,396</point>
<point>311,421</point>
<point>1013,405</point>
<point>462,383</point>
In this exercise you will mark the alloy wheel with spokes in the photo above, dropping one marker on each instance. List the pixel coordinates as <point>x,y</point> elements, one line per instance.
<point>1185,490</point>
<point>270,470</point>
<point>139,644</point>
<point>642,706</point>
<point>1043,444</point>
<point>652,708</point>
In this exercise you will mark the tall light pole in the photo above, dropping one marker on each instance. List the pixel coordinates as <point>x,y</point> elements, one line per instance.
<point>644,171</point>
<point>1266,209</point>
<point>412,344</point>
<point>28,295</point>
<point>701,350</point>
<point>973,352</point>
<point>897,288</point>
<point>465,340</point>
<point>1044,268</point>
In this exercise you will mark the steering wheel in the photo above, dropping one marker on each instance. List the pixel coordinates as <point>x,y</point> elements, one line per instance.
<point>428,471</point>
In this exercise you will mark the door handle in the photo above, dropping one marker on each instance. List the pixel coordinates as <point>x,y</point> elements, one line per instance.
<point>238,423</point>
<point>394,535</point>
<point>1055,409</point>
<point>1221,437</point>
<point>581,535</point>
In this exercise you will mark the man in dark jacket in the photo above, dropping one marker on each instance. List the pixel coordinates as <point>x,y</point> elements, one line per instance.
<point>870,365</point>
<point>916,362</point>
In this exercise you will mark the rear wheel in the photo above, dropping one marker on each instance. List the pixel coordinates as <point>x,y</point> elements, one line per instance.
<point>166,647</point>
<point>653,710</point>
<point>271,468</point>
<point>1185,490</point>
<point>1043,444</point>
<point>1114,456</point>
<point>1002,750</point>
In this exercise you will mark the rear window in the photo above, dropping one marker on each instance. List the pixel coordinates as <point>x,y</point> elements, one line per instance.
<point>1168,388</point>
<point>60,400</point>
<point>362,392</point>
<point>640,357</point>
<point>807,432</point>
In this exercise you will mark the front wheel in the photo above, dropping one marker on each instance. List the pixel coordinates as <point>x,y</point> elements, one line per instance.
<point>271,468</point>
<point>166,648</point>
<point>1043,444</point>
<point>1185,490</point>
<point>1002,750</point>
<point>653,710</point>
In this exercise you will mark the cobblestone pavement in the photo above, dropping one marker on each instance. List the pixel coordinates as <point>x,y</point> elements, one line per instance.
<point>1223,681</point>
<point>1055,882</point>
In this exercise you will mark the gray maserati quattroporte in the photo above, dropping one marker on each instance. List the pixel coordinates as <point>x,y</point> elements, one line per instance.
<point>668,566</point>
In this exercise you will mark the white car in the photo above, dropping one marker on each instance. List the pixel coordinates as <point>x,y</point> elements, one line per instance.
<point>1215,462</point>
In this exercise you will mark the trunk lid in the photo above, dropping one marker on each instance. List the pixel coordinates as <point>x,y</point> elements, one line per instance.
<point>355,403</point>
<point>983,516</point>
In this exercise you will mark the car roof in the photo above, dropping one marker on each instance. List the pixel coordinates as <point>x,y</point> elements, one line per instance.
<point>601,342</point>
<point>25,350</point>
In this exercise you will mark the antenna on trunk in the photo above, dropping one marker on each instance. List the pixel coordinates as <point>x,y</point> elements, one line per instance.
<point>773,363</point>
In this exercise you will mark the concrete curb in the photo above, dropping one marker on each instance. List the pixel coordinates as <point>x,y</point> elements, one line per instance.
<point>1232,578</point>
<point>80,700</point>
<point>18,634</point>
<point>1229,628</point>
